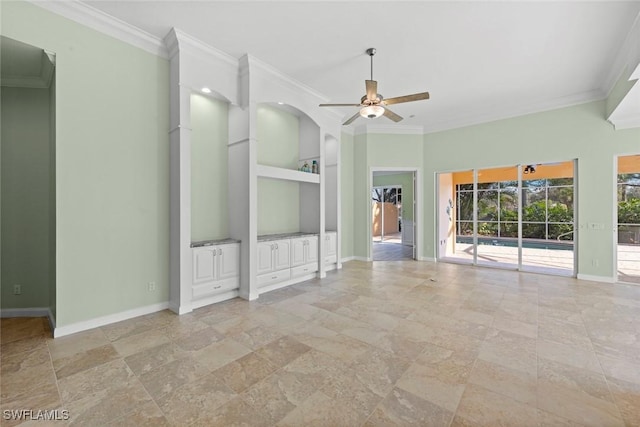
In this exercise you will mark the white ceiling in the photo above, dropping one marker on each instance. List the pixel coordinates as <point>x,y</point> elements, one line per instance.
<point>479,60</point>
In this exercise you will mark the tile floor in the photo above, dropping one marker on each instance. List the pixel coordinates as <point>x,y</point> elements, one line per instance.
<point>375,344</point>
<point>391,252</point>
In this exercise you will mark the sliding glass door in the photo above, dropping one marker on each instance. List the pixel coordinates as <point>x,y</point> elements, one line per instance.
<point>628,208</point>
<point>518,217</point>
<point>497,215</point>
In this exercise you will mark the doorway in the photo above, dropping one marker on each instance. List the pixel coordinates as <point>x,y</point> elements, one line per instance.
<point>628,219</point>
<point>392,215</point>
<point>518,217</point>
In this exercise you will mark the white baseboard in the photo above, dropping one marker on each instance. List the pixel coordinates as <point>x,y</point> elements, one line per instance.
<point>106,320</point>
<point>428,259</point>
<point>349,258</point>
<point>591,278</point>
<point>362,258</point>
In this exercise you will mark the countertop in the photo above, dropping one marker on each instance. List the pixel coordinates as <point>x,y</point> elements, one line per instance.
<point>268,237</point>
<point>213,242</point>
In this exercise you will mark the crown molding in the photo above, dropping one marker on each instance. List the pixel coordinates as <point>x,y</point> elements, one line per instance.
<point>95,19</point>
<point>514,111</point>
<point>287,80</point>
<point>628,56</point>
<point>177,38</point>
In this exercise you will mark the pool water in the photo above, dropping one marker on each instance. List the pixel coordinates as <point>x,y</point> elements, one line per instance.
<point>513,243</point>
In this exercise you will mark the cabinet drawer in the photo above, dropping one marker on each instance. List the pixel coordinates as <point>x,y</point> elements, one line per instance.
<point>331,259</point>
<point>273,277</point>
<point>212,288</point>
<point>304,269</point>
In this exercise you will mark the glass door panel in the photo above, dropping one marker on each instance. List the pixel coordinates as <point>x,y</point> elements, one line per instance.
<point>628,246</point>
<point>497,217</point>
<point>455,216</point>
<point>547,218</point>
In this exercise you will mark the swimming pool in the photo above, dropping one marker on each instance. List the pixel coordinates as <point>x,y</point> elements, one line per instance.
<point>513,243</point>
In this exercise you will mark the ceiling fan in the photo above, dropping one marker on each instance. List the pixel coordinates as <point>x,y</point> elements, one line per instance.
<point>373,105</point>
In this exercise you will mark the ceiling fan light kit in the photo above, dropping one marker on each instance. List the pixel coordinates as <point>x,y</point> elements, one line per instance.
<point>373,105</point>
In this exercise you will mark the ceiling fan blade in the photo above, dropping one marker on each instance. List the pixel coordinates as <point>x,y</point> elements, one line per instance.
<point>391,115</point>
<point>339,105</point>
<point>372,89</point>
<point>406,98</point>
<point>352,118</point>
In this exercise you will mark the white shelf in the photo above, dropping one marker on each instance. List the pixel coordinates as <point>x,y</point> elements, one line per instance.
<point>288,174</point>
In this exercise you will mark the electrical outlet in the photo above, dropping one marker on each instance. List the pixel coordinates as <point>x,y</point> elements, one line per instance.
<point>151,286</point>
<point>17,289</point>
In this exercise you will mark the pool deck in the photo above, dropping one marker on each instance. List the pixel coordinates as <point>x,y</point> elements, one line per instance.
<point>545,260</point>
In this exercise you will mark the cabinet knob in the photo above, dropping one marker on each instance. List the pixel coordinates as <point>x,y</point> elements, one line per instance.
<point>276,246</point>
<point>219,251</point>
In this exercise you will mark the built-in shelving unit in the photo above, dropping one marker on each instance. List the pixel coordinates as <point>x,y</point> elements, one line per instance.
<point>312,197</point>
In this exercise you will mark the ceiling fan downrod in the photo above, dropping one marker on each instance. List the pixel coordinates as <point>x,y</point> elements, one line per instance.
<point>371,51</point>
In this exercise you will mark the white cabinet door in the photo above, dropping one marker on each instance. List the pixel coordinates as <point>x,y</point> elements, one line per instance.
<point>204,264</point>
<point>330,247</point>
<point>228,260</point>
<point>298,246</point>
<point>312,249</point>
<point>265,257</point>
<point>282,259</point>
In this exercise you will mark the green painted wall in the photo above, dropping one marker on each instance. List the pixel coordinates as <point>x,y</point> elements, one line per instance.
<point>406,181</point>
<point>278,201</point>
<point>26,201</point>
<point>112,165</point>
<point>382,151</point>
<point>209,160</point>
<point>346,194</point>
<point>580,132</point>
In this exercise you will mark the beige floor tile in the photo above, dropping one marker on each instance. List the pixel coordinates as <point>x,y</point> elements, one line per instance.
<point>481,407</point>
<point>220,353</point>
<point>620,368</point>
<point>148,360</point>
<point>282,351</point>
<point>349,390</point>
<point>320,410</point>
<point>17,328</point>
<point>133,344</point>
<point>279,393</point>
<point>569,355</point>
<point>77,362</point>
<point>510,350</point>
<point>235,413</point>
<point>196,400</point>
<point>163,381</point>
<point>626,395</point>
<point>514,384</point>
<point>583,380</point>
<point>257,337</point>
<point>198,339</point>
<point>77,343</point>
<point>146,415</point>
<point>340,346</point>
<point>245,371</point>
<point>401,408</point>
<point>577,406</point>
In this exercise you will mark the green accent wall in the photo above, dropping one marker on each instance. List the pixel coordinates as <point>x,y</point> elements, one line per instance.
<point>112,165</point>
<point>278,145</point>
<point>406,181</point>
<point>209,160</point>
<point>26,201</point>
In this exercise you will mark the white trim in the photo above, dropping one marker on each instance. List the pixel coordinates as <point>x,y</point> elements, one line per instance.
<point>361,258</point>
<point>592,278</point>
<point>629,122</point>
<point>108,319</point>
<point>25,312</point>
<point>427,259</point>
<point>295,84</point>
<point>624,58</point>
<point>347,259</point>
<point>100,21</point>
